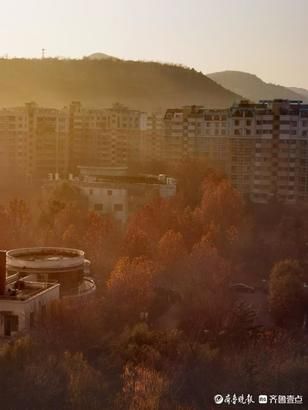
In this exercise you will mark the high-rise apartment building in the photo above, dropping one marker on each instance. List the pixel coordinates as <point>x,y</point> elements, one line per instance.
<point>262,147</point>
<point>152,139</point>
<point>33,142</point>
<point>280,161</point>
<point>14,156</point>
<point>197,132</point>
<point>37,141</point>
<point>105,137</point>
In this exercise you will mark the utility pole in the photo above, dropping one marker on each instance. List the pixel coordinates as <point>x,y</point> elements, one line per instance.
<point>43,53</point>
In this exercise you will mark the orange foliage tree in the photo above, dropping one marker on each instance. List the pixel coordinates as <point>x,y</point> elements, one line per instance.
<point>130,288</point>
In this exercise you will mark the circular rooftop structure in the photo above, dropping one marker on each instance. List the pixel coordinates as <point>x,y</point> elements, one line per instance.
<point>51,264</point>
<point>49,258</point>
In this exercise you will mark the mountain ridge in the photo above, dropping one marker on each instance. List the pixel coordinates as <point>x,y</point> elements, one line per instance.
<point>301,91</point>
<point>252,87</point>
<point>137,84</point>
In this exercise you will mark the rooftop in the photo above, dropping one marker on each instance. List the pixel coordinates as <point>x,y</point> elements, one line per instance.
<point>125,179</point>
<point>46,256</point>
<point>41,258</point>
<point>22,290</point>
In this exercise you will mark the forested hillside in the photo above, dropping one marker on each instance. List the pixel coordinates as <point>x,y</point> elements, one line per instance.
<point>141,85</point>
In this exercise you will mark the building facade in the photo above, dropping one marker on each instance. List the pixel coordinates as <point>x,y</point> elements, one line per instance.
<point>198,133</point>
<point>105,137</point>
<point>23,301</point>
<point>34,142</point>
<point>112,191</point>
<point>37,141</point>
<point>152,142</point>
<point>261,147</point>
<point>122,196</point>
<point>32,278</point>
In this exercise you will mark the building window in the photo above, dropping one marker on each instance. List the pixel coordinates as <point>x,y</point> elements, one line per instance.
<point>118,207</point>
<point>14,323</point>
<point>109,192</point>
<point>98,207</point>
<point>90,191</point>
<point>10,324</point>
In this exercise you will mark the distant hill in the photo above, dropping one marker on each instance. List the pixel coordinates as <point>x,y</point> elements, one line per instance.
<point>252,87</point>
<point>100,56</point>
<point>301,91</point>
<point>140,85</point>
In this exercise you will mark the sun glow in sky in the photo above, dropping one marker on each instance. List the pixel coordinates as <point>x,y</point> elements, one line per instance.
<point>263,37</point>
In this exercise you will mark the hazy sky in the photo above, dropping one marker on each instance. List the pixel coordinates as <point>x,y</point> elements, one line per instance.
<point>265,37</point>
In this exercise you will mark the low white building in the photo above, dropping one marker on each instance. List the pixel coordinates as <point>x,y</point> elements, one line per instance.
<point>20,310</point>
<point>112,191</point>
<point>120,194</point>
<point>22,302</point>
<point>32,278</point>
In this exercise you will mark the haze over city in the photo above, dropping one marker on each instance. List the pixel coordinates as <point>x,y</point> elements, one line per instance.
<point>266,38</point>
<point>153,204</point>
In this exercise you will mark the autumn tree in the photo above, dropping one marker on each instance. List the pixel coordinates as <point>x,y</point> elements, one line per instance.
<point>222,212</point>
<point>63,195</point>
<point>130,289</point>
<point>65,227</point>
<point>221,204</point>
<point>206,299</point>
<point>171,256</point>
<point>286,293</point>
<point>100,241</point>
<point>190,175</point>
<point>171,248</point>
<point>67,327</point>
<point>5,226</point>
<point>85,386</point>
<point>143,389</point>
<point>19,221</point>
<point>71,237</point>
<point>158,217</point>
<point>136,243</point>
